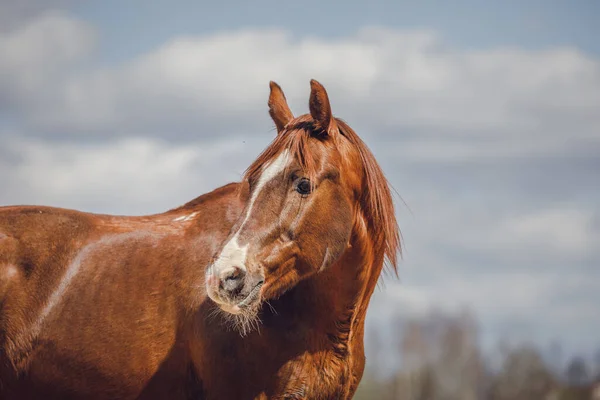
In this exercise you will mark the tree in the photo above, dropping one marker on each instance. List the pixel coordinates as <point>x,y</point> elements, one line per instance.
<point>597,365</point>
<point>523,376</point>
<point>577,372</point>
<point>440,358</point>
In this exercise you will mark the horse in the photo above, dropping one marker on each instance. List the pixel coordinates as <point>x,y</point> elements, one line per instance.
<point>256,290</point>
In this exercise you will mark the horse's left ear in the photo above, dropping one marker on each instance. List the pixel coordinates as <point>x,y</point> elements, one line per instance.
<point>320,109</point>
<point>278,108</point>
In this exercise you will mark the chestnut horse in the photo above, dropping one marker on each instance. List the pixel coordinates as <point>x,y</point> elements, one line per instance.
<point>258,289</point>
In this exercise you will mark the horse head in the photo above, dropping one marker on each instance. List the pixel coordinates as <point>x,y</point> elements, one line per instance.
<point>314,192</point>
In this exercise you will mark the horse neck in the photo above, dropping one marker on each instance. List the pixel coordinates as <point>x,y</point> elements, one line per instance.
<point>335,300</point>
<point>355,280</point>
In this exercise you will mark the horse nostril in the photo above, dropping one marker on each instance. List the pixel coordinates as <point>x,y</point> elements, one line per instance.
<point>232,280</point>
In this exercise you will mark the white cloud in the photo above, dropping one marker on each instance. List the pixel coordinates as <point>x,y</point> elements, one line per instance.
<point>555,233</point>
<point>37,57</point>
<point>567,231</point>
<point>501,294</point>
<point>467,104</point>
<point>404,79</point>
<point>131,175</point>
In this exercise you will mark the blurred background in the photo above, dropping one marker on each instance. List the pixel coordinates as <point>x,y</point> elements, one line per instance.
<point>484,116</point>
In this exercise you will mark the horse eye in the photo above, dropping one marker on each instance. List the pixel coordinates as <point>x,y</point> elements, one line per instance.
<point>303,187</point>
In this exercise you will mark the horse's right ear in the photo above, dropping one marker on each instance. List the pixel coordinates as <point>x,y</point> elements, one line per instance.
<point>278,108</point>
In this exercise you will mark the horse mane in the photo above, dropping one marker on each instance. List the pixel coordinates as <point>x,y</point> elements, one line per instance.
<point>376,200</point>
<point>377,203</point>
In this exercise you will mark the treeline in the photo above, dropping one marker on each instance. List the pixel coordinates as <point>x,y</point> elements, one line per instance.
<point>439,358</point>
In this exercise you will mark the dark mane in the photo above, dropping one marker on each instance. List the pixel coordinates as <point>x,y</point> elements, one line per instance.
<point>377,204</point>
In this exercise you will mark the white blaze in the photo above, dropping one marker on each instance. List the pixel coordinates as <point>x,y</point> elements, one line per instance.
<point>233,254</point>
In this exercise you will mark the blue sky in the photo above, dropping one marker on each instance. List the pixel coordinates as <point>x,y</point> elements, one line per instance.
<point>484,116</point>
<point>134,26</point>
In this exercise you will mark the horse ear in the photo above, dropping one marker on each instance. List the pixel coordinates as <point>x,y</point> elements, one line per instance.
<point>278,108</point>
<point>320,109</point>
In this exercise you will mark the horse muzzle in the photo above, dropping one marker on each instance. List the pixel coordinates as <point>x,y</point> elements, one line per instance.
<point>233,288</point>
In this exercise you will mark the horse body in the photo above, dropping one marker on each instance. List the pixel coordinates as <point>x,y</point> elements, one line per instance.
<point>93,306</point>
<point>98,306</point>
<point>257,290</point>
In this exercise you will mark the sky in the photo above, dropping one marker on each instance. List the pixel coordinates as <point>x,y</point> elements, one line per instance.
<point>484,116</point>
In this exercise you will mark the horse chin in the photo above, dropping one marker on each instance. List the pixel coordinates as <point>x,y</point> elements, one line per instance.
<point>242,317</point>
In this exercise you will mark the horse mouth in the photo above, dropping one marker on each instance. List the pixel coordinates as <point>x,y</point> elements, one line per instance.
<point>247,303</point>
<point>252,296</point>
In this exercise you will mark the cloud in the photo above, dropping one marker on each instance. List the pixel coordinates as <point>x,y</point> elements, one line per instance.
<point>443,103</point>
<point>14,13</point>
<point>516,242</point>
<point>37,58</point>
<point>132,175</point>
<point>568,231</point>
